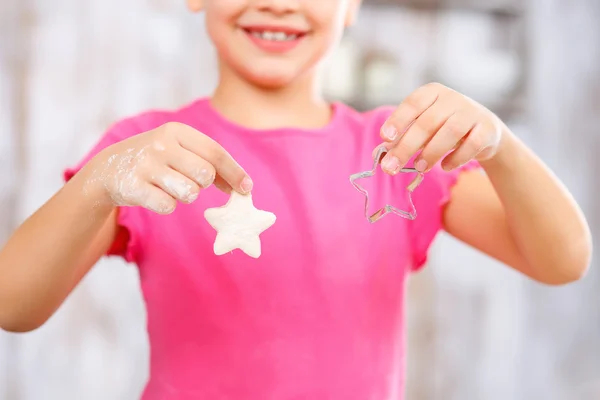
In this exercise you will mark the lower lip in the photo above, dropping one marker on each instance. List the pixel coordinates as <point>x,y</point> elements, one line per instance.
<point>274,46</point>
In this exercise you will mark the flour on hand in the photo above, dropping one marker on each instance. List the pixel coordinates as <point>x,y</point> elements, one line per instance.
<point>238,224</point>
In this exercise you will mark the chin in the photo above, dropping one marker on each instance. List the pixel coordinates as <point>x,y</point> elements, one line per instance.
<point>270,80</point>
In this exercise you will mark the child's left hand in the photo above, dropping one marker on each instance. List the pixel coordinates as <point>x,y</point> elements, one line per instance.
<point>439,121</point>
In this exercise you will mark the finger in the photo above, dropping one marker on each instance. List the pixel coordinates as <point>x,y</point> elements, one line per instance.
<point>408,111</point>
<point>157,200</point>
<point>474,143</point>
<point>447,139</point>
<point>176,185</point>
<point>417,136</point>
<point>215,154</point>
<point>222,185</point>
<point>195,168</point>
<point>386,145</point>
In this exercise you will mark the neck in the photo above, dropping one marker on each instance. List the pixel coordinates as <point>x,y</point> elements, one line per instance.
<point>299,105</point>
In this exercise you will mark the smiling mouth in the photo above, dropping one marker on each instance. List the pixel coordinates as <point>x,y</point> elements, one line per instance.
<point>274,34</point>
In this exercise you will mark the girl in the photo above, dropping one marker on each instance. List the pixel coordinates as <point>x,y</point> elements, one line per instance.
<point>319,314</point>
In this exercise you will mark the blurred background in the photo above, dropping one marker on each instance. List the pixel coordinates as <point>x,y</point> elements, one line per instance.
<point>68,69</point>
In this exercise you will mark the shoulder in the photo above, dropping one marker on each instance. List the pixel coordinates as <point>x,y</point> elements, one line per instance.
<point>134,125</point>
<point>153,118</point>
<point>361,127</point>
<point>373,118</point>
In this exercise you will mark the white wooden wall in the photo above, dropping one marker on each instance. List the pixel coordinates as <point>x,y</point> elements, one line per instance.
<point>478,331</point>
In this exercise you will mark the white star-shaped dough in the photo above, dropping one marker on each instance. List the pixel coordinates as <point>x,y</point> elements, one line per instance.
<point>238,224</point>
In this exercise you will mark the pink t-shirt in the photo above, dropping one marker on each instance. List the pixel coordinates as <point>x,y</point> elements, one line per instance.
<point>319,316</point>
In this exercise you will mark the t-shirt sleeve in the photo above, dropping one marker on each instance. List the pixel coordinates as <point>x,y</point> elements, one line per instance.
<point>429,199</point>
<point>126,242</point>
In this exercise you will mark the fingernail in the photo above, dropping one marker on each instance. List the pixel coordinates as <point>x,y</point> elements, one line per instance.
<point>246,185</point>
<point>376,150</point>
<point>193,196</point>
<point>391,164</point>
<point>205,178</point>
<point>389,132</point>
<point>421,165</point>
<point>161,208</point>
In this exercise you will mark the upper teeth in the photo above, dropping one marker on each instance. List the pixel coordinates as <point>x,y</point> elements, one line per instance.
<point>277,36</point>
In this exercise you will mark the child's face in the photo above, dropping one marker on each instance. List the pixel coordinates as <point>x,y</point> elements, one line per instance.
<point>270,43</point>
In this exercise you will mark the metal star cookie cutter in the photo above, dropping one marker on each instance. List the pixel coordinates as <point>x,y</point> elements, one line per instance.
<point>387,209</point>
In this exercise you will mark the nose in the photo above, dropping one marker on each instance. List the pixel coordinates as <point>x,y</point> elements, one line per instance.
<point>279,7</point>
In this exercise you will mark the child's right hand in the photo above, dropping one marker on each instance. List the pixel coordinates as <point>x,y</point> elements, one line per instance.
<point>157,168</point>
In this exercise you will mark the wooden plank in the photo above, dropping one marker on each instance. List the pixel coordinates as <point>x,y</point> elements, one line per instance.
<point>509,8</point>
<point>14,28</point>
<point>83,76</point>
<point>78,76</point>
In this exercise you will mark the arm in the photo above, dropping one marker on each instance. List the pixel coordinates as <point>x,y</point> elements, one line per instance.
<point>49,254</point>
<point>521,215</point>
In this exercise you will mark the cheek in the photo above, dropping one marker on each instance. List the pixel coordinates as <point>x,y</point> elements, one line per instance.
<point>227,8</point>
<point>220,16</point>
<point>220,34</point>
<point>329,26</point>
<point>320,46</point>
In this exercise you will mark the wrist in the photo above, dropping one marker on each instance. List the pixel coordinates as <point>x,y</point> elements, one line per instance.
<point>507,153</point>
<point>91,189</point>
